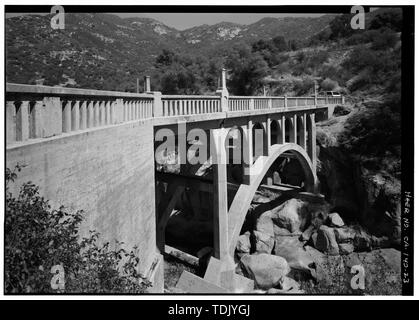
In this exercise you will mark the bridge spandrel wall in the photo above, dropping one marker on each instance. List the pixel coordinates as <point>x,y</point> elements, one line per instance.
<point>108,173</point>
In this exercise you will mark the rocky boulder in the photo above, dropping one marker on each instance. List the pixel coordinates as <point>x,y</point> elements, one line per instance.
<point>265,224</point>
<point>306,235</point>
<point>265,269</point>
<point>324,240</point>
<point>346,248</point>
<point>341,110</point>
<point>243,243</point>
<point>286,286</point>
<point>335,220</point>
<point>344,235</point>
<point>292,250</point>
<point>288,215</point>
<point>362,241</point>
<point>263,243</point>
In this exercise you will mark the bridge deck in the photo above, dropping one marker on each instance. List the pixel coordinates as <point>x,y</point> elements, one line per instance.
<point>34,112</point>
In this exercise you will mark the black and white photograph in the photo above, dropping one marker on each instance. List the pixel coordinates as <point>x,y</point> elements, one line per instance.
<point>208,150</point>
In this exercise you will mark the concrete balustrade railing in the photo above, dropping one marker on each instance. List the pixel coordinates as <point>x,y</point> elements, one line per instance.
<point>41,111</point>
<point>179,105</point>
<point>236,103</point>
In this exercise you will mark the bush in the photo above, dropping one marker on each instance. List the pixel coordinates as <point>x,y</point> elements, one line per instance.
<point>375,129</point>
<point>392,19</point>
<point>363,37</point>
<point>384,41</point>
<point>303,87</point>
<point>38,238</point>
<point>328,84</point>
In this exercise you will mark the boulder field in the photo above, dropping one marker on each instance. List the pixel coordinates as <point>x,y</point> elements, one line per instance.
<point>292,246</point>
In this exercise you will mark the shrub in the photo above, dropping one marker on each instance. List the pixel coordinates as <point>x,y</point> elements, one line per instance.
<point>384,41</point>
<point>38,238</point>
<point>392,19</point>
<point>303,87</point>
<point>328,84</point>
<point>363,37</point>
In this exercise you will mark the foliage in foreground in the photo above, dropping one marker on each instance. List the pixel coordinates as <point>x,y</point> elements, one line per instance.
<point>39,241</point>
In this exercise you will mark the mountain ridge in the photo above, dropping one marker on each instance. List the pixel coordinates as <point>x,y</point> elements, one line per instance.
<point>93,47</point>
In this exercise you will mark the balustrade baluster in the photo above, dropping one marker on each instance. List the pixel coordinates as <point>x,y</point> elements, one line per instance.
<point>75,116</point>
<point>22,121</point>
<point>10,121</point>
<point>83,115</point>
<point>67,116</point>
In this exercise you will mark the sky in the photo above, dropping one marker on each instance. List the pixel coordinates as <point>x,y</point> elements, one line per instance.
<point>183,21</point>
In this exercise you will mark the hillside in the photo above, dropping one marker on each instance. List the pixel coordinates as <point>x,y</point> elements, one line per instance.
<point>104,51</point>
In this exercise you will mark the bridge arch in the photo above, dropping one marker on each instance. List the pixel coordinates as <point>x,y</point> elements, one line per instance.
<point>244,195</point>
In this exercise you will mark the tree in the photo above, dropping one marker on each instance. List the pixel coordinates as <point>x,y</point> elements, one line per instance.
<point>280,43</point>
<point>341,26</point>
<point>38,238</point>
<point>247,70</point>
<point>166,58</point>
<point>391,19</point>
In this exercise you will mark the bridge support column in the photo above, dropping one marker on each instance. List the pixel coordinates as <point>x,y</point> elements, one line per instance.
<point>267,140</point>
<point>282,130</point>
<point>302,131</point>
<point>247,152</point>
<point>293,129</point>
<point>311,148</point>
<point>221,268</point>
<point>220,218</point>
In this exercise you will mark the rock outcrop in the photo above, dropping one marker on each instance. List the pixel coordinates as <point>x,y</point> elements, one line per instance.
<point>265,269</point>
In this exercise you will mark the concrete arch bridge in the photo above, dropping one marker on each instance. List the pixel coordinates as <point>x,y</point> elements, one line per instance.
<point>95,150</point>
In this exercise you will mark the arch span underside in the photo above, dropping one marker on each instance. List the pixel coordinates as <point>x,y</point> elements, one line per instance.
<point>246,192</point>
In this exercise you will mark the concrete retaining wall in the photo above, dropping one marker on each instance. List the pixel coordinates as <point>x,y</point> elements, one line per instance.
<point>108,172</point>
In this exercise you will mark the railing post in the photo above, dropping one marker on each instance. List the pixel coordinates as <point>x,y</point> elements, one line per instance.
<point>343,99</point>
<point>252,104</point>
<point>157,104</point>
<point>270,103</point>
<point>147,86</point>
<point>223,92</point>
<point>285,102</point>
